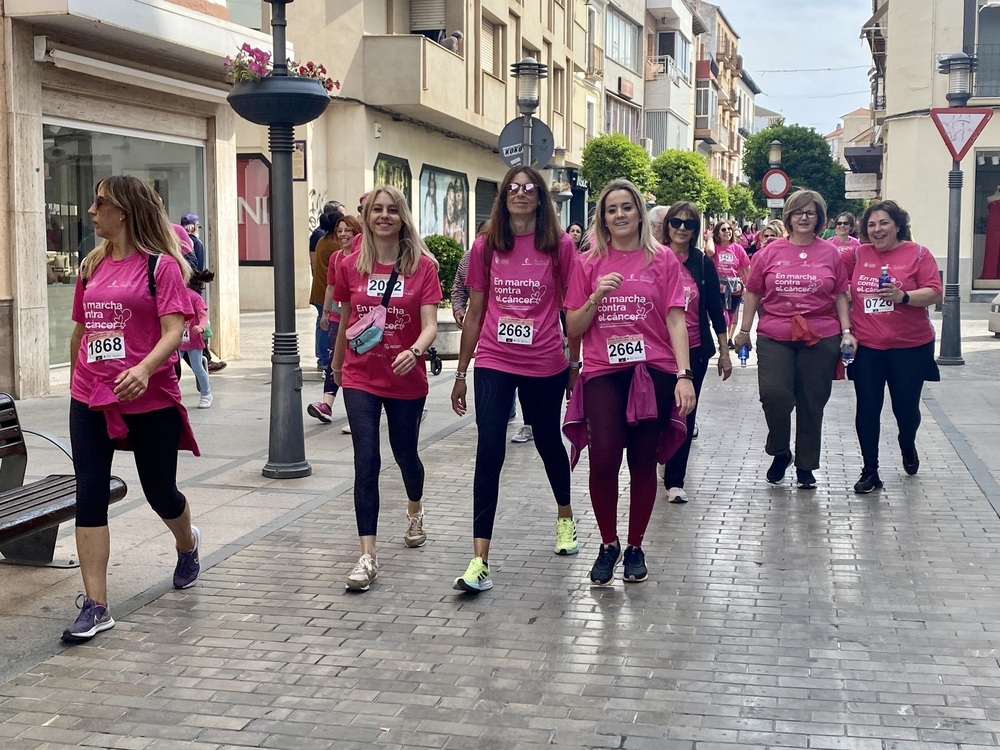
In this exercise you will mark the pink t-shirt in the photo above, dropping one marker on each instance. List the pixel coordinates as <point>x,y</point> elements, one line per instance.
<point>331,280</point>
<point>845,246</point>
<point>630,326</point>
<point>521,330</point>
<point>731,263</point>
<point>883,325</point>
<point>191,340</point>
<point>372,371</point>
<point>791,285</point>
<point>691,307</point>
<point>122,322</point>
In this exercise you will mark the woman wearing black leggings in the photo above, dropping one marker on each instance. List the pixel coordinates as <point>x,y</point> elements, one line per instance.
<point>518,274</point>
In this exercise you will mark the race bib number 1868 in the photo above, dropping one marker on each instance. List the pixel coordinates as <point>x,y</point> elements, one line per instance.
<point>105,345</point>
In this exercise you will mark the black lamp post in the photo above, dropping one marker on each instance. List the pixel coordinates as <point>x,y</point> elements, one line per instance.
<point>959,68</point>
<point>774,159</point>
<point>527,73</point>
<point>281,102</point>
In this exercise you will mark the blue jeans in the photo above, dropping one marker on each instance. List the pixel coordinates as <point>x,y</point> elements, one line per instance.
<point>322,340</point>
<point>196,359</point>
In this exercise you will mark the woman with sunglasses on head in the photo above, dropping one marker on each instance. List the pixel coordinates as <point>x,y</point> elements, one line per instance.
<point>702,314</point>
<point>626,299</point>
<point>733,266</point>
<point>392,375</point>
<point>800,284</point>
<point>843,235</point>
<point>518,275</point>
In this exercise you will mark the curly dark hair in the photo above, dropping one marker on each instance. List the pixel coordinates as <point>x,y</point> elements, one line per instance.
<point>899,217</point>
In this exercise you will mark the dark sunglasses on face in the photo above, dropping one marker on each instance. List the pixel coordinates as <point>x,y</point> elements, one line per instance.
<point>843,223</point>
<point>515,187</point>
<point>688,224</point>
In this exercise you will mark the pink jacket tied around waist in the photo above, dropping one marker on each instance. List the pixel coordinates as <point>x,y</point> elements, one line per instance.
<point>641,406</point>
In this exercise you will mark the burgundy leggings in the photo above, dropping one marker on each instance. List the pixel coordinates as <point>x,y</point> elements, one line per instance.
<point>605,398</point>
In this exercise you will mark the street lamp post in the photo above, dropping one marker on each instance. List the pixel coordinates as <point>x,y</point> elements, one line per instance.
<point>527,73</point>
<point>958,68</point>
<point>774,159</point>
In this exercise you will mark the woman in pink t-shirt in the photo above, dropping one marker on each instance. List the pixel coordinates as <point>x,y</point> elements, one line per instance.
<point>193,339</point>
<point>518,275</point>
<point>626,299</point>
<point>800,285</point>
<point>345,229</point>
<point>733,266</point>
<point>392,375</point>
<point>843,234</point>
<point>129,308</point>
<point>895,335</point>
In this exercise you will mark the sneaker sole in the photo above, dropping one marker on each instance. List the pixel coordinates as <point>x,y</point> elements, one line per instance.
<point>360,585</point>
<point>567,552</point>
<point>68,637</point>
<point>621,554</point>
<point>636,580</point>
<point>462,585</point>
<point>865,492</point>
<point>521,440</point>
<point>412,543</point>
<point>678,500</point>
<point>312,412</point>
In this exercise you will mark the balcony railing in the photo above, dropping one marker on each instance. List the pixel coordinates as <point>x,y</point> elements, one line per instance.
<point>595,62</point>
<point>664,66</point>
<point>987,77</point>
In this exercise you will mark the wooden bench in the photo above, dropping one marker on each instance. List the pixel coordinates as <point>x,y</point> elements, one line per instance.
<point>30,514</point>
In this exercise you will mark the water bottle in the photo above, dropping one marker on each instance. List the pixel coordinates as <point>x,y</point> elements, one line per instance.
<point>847,354</point>
<point>884,278</point>
<point>744,354</point>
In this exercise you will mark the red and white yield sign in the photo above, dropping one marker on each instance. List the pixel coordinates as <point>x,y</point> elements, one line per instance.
<point>960,126</point>
<point>775,184</point>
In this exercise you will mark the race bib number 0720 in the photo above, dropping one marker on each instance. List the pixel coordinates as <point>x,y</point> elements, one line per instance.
<point>623,349</point>
<point>377,284</point>
<point>875,305</point>
<point>105,345</point>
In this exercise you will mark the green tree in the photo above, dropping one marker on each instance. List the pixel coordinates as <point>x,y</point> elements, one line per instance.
<point>742,206</point>
<point>805,157</point>
<point>681,176</point>
<point>611,157</point>
<point>448,254</point>
<point>717,201</point>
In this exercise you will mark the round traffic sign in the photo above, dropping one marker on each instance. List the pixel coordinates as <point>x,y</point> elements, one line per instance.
<point>542,143</point>
<point>775,184</point>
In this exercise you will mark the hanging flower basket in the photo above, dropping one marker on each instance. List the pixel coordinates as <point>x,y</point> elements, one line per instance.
<point>279,100</point>
<point>561,191</point>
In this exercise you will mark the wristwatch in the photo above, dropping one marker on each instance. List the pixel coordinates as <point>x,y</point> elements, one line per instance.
<point>685,374</point>
<point>906,299</point>
<point>416,352</point>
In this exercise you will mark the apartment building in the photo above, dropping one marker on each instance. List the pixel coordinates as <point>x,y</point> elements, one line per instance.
<point>905,145</point>
<point>93,88</point>
<point>853,130</point>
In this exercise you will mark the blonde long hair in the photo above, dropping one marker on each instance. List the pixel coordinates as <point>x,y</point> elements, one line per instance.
<point>146,224</point>
<point>602,235</point>
<point>411,246</point>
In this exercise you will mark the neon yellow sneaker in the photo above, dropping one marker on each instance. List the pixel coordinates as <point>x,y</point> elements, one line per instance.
<point>476,578</point>
<point>566,537</point>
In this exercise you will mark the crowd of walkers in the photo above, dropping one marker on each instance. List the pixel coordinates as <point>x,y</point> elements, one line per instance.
<point>622,319</point>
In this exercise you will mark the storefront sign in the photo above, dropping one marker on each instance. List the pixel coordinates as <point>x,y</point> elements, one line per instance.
<point>253,190</point>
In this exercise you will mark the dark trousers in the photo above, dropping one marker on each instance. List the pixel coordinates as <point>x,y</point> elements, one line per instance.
<point>676,468</point>
<point>605,399</point>
<point>330,386</point>
<point>541,403</point>
<point>322,340</point>
<point>791,375</point>
<point>153,437</point>
<point>904,371</point>
<point>364,413</point>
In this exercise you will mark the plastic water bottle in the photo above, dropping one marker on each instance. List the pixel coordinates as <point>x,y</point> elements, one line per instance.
<point>847,354</point>
<point>744,354</point>
<point>884,278</point>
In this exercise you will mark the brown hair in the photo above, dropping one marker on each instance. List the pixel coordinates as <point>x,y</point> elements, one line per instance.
<point>899,217</point>
<point>717,233</point>
<point>798,201</point>
<point>676,209</point>
<point>547,229</point>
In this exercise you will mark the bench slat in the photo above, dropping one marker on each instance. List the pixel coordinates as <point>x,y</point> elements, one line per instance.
<point>41,504</point>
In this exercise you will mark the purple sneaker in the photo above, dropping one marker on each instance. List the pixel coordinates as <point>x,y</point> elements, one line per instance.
<point>93,618</point>
<point>320,411</point>
<point>188,564</point>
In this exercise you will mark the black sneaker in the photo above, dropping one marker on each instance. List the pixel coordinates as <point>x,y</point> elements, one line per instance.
<point>805,479</point>
<point>911,461</point>
<point>778,466</point>
<point>869,482</point>
<point>603,572</point>
<point>635,565</point>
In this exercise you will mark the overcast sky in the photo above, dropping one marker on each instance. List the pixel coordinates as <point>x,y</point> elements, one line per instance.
<point>794,35</point>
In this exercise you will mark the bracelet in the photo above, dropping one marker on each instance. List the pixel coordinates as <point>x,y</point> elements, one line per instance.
<point>906,299</point>
<point>746,332</point>
<point>846,330</point>
<point>684,377</point>
<point>460,375</point>
<point>575,365</point>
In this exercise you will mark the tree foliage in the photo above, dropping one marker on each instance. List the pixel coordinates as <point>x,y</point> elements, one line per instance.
<point>806,158</point>
<point>683,176</point>
<point>611,157</point>
<point>718,197</point>
<point>448,253</point>
<point>742,205</point>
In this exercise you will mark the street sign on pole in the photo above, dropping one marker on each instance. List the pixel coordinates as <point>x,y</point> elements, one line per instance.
<point>511,148</point>
<point>960,126</point>
<point>861,195</point>
<point>775,184</point>
<point>775,202</point>
<point>861,182</point>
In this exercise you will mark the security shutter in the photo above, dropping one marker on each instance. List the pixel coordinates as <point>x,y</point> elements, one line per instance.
<point>376,21</point>
<point>486,41</point>
<point>486,193</point>
<point>427,14</point>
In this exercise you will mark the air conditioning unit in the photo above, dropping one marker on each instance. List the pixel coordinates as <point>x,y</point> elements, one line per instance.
<point>647,143</point>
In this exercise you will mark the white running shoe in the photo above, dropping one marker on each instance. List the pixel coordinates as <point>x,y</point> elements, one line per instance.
<point>523,435</point>
<point>677,495</point>
<point>205,402</point>
<point>363,574</point>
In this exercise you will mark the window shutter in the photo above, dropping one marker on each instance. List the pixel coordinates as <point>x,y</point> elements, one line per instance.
<point>376,21</point>
<point>486,41</point>
<point>427,14</point>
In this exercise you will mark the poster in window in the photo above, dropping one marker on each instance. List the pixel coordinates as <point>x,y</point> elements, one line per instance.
<point>299,173</point>
<point>253,183</point>
<point>444,204</point>
<point>391,170</point>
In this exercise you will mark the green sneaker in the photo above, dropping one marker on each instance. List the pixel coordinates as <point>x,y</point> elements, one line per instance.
<point>566,537</point>
<point>476,578</point>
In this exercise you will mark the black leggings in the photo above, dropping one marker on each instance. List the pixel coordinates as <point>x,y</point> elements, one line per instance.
<point>904,371</point>
<point>676,468</point>
<point>364,413</point>
<point>153,437</point>
<point>541,402</point>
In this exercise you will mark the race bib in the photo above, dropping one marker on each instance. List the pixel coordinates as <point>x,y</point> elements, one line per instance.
<point>105,345</point>
<point>623,349</point>
<point>515,331</point>
<point>875,305</point>
<point>377,284</point>
<point>186,336</point>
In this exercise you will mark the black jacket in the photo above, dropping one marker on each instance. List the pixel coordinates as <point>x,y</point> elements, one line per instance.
<point>702,269</point>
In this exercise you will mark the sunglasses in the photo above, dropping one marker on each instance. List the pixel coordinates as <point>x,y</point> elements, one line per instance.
<point>843,223</point>
<point>516,187</point>
<point>688,224</point>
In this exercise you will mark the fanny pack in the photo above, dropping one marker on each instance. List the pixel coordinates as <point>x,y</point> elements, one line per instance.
<point>366,334</point>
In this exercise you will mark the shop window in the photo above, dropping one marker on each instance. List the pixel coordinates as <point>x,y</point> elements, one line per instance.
<point>444,201</point>
<point>253,209</point>
<point>486,195</point>
<point>986,237</point>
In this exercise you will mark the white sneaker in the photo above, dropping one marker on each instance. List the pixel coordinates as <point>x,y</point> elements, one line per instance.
<point>523,435</point>
<point>363,574</point>
<point>660,469</point>
<point>415,535</point>
<point>205,402</point>
<point>345,430</point>
<point>677,495</point>
<point>423,416</point>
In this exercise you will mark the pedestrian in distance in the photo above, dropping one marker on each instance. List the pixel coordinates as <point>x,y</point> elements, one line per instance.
<point>893,283</point>
<point>193,338</point>
<point>843,237</point>
<point>518,275</point>
<point>320,261</point>
<point>334,246</point>
<point>770,232</point>
<point>626,299</point>
<point>191,224</point>
<point>702,314</point>
<point>392,270</point>
<point>733,267</point>
<point>657,216</point>
<point>575,230</point>
<point>129,307</point>
<point>800,286</point>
